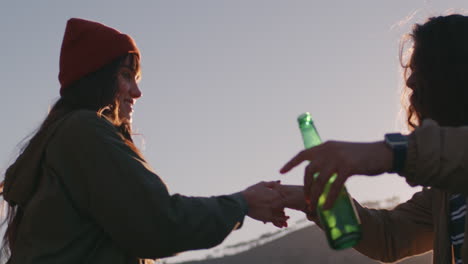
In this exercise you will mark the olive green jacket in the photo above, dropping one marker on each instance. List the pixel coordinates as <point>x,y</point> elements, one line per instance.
<point>438,160</point>
<point>87,197</point>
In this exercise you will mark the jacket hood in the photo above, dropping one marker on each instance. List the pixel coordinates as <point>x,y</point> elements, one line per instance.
<point>22,177</point>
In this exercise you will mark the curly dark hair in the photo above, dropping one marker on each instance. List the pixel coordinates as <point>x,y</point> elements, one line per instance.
<point>436,74</point>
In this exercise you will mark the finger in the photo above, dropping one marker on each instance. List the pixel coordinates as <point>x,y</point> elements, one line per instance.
<point>335,190</point>
<point>283,224</point>
<point>279,215</point>
<point>298,159</point>
<point>278,211</point>
<point>280,219</point>
<point>318,187</point>
<point>309,177</point>
<point>272,184</point>
<point>276,214</point>
<point>280,224</point>
<point>312,215</point>
<point>307,183</point>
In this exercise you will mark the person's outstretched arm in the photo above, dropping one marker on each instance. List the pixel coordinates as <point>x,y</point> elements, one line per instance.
<point>388,235</point>
<point>436,157</point>
<point>116,188</point>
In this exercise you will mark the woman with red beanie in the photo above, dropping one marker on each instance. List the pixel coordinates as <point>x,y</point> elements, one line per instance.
<point>81,192</point>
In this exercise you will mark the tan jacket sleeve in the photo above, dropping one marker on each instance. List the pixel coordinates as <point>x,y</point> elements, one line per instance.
<point>406,230</point>
<point>438,157</point>
<point>116,188</point>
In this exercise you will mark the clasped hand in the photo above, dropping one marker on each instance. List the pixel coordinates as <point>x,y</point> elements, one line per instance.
<point>267,201</point>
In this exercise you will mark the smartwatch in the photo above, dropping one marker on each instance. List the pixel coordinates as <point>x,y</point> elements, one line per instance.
<point>398,143</point>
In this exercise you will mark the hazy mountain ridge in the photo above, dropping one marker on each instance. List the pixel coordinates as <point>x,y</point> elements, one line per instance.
<point>301,244</point>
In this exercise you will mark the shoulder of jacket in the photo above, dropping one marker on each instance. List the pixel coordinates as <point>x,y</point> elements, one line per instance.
<point>82,121</point>
<point>83,115</point>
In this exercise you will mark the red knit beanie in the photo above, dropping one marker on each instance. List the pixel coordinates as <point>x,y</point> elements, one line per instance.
<point>87,46</point>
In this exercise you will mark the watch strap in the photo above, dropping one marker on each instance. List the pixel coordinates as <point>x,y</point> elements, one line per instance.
<point>399,146</point>
<point>399,158</point>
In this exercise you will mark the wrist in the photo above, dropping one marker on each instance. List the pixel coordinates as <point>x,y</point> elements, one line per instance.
<point>242,200</point>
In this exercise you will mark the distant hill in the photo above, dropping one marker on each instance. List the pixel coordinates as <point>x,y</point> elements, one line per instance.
<point>304,246</point>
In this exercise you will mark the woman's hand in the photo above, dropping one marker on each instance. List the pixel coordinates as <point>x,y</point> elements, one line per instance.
<point>293,197</point>
<point>266,203</point>
<point>343,159</point>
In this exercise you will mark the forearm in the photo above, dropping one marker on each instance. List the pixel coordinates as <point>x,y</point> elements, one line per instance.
<point>164,226</point>
<point>438,157</point>
<point>198,222</point>
<point>390,235</point>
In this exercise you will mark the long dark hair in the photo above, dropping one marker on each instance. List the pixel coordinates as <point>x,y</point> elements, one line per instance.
<point>439,64</point>
<point>97,92</point>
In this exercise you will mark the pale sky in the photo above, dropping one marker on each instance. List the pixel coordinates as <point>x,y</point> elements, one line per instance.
<point>223,82</point>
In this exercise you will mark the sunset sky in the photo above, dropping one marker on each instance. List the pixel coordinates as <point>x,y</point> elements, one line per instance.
<point>223,82</point>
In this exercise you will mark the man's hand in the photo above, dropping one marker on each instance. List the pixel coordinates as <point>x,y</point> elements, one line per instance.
<point>343,159</point>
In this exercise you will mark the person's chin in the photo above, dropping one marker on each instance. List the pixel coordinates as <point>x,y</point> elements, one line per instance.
<point>127,118</point>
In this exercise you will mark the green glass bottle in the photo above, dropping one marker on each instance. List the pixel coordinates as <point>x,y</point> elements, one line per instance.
<point>341,223</point>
